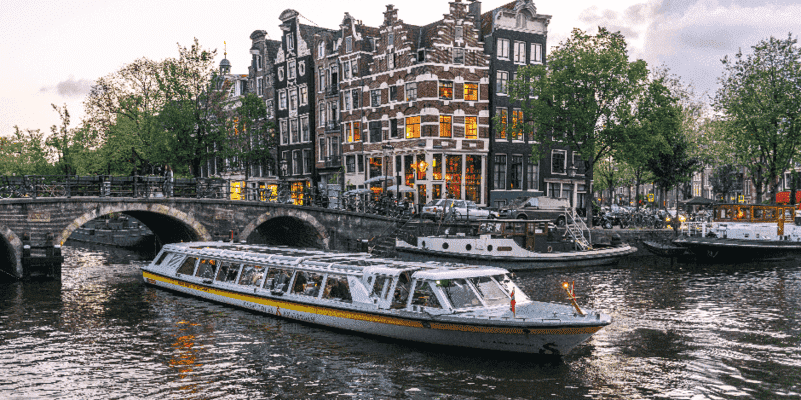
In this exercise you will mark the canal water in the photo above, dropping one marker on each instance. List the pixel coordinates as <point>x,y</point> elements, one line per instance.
<point>680,332</point>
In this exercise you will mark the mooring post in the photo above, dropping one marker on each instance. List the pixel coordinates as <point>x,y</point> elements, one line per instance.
<point>26,255</point>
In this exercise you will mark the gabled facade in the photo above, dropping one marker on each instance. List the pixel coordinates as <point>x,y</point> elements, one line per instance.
<point>294,87</point>
<point>328,135</point>
<point>417,105</point>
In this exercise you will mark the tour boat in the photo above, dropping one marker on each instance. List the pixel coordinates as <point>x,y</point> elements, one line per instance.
<point>516,244</point>
<point>434,303</point>
<point>744,232</point>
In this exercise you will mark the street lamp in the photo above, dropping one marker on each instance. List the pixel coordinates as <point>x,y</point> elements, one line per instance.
<point>282,183</point>
<point>386,149</point>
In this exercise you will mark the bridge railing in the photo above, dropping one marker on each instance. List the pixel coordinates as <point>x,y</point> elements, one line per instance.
<point>35,186</point>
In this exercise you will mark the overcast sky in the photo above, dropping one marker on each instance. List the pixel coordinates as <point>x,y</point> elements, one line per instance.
<point>52,51</point>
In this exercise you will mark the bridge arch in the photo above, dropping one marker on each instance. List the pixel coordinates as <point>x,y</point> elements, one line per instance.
<point>287,226</point>
<point>10,256</point>
<point>169,224</point>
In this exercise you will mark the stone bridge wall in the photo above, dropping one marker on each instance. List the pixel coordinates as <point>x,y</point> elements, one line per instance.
<point>177,219</point>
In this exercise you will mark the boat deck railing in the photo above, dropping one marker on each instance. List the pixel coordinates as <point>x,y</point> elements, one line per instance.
<point>695,228</point>
<point>577,229</point>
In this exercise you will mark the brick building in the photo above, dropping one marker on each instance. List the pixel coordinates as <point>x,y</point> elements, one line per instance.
<point>415,104</point>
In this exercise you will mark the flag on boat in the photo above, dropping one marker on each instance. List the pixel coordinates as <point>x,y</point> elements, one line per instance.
<point>512,304</point>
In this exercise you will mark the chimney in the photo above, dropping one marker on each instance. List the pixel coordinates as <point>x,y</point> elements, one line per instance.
<point>475,10</point>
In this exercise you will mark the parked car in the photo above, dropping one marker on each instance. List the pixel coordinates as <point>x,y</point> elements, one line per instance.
<point>463,210</point>
<point>536,208</point>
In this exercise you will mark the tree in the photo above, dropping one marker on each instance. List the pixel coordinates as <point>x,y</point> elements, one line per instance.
<point>254,134</point>
<point>582,98</point>
<point>24,153</point>
<point>724,180</point>
<point>192,123</point>
<point>759,101</point>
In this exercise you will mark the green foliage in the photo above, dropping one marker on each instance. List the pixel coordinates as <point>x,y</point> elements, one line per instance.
<point>760,105</point>
<point>583,98</point>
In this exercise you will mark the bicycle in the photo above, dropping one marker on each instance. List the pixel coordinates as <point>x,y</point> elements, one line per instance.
<point>53,189</point>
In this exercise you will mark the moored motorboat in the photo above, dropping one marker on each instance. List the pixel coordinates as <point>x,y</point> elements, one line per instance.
<point>114,230</point>
<point>516,245</point>
<point>744,232</point>
<point>444,304</point>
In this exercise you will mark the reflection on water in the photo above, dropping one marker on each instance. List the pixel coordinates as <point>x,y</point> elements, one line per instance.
<point>692,332</point>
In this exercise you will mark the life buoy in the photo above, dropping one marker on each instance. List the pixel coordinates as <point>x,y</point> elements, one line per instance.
<point>550,249</point>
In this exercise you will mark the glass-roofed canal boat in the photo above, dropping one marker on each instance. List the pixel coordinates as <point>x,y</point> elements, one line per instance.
<point>434,303</point>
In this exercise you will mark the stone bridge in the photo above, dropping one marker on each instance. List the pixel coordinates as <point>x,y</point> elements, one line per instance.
<point>183,219</point>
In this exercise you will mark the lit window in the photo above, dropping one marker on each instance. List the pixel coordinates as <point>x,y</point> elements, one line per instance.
<point>445,126</point>
<point>470,127</point>
<point>446,90</point>
<point>471,91</point>
<point>412,127</point>
<point>500,131</point>
<point>517,124</point>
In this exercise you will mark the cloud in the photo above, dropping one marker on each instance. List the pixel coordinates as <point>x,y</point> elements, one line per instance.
<point>690,37</point>
<point>70,87</point>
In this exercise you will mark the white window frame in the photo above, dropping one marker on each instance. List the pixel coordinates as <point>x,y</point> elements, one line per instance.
<point>348,44</point>
<point>564,166</point>
<point>303,96</point>
<point>280,74</point>
<point>282,99</point>
<point>501,89</point>
<point>458,33</point>
<point>283,131</point>
<point>502,50</point>
<point>290,70</point>
<point>301,68</point>
<point>519,52</point>
<point>321,50</point>
<point>536,53</point>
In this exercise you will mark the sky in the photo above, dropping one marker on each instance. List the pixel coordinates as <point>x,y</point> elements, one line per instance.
<point>51,52</point>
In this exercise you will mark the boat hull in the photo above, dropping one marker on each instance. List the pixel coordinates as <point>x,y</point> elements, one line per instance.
<point>588,258</point>
<point>518,336</point>
<point>722,249</point>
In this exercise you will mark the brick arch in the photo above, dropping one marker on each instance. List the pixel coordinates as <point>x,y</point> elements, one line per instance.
<point>288,212</point>
<point>196,227</point>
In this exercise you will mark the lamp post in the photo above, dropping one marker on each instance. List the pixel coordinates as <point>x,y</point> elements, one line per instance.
<point>386,149</point>
<point>282,179</point>
<point>571,172</point>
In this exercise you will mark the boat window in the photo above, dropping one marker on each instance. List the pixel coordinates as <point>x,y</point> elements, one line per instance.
<point>402,289</point>
<point>757,213</point>
<point>278,279</point>
<point>228,272</point>
<point>307,283</point>
<point>490,291</point>
<point>508,286</point>
<point>378,286</point>
<point>161,259</point>
<point>188,266</point>
<point>207,269</point>
<point>459,292</point>
<point>336,288</point>
<point>788,214</point>
<point>424,295</point>
<point>769,214</point>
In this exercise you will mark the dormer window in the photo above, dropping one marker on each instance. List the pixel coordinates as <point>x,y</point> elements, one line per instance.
<point>348,44</point>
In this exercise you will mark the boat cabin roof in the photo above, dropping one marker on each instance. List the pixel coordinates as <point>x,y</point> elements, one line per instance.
<point>326,261</point>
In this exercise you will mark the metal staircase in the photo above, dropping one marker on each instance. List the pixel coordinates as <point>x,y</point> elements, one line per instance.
<point>576,227</point>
